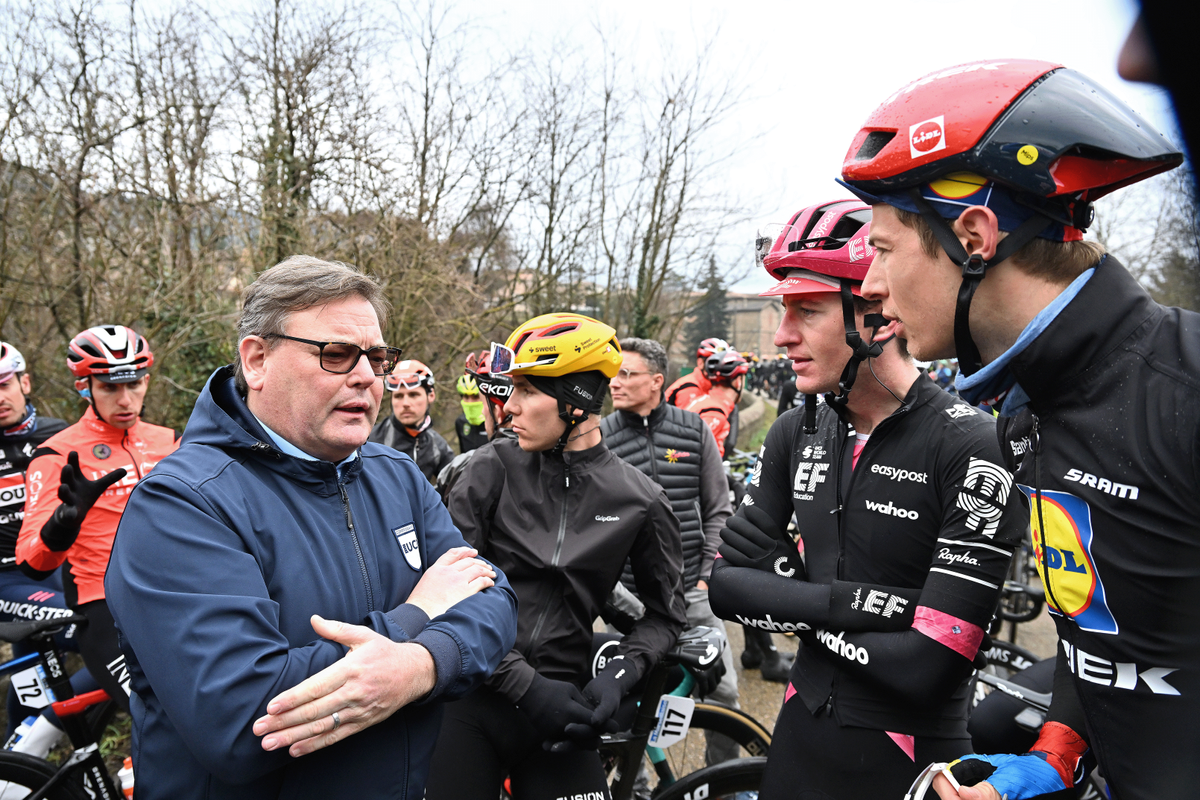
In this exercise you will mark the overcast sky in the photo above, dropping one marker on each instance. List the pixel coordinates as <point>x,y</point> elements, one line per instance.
<point>813,71</point>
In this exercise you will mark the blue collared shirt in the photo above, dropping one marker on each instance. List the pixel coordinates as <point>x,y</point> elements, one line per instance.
<point>290,449</point>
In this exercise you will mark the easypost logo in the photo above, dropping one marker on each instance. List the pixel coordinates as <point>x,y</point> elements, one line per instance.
<point>898,474</point>
<point>927,136</point>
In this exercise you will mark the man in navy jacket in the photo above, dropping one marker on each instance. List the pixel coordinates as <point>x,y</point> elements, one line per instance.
<point>280,585</point>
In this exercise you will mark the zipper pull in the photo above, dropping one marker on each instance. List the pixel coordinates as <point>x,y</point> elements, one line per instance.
<point>346,506</point>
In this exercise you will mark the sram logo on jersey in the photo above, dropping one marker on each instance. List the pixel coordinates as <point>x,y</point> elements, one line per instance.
<point>891,509</point>
<point>1065,547</point>
<point>897,474</point>
<point>1121,490</point>
<point>1117,674</point>
<point>769,624</point>
<point>809,474</point>
<point>846,650</point>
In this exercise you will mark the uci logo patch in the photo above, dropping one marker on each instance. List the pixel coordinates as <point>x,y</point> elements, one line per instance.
<point>406,537</point>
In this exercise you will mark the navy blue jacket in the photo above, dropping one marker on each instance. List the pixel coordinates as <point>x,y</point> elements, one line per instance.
<point>222,556</point>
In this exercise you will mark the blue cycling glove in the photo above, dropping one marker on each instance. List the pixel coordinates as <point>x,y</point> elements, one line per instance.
<point>1054,763</point>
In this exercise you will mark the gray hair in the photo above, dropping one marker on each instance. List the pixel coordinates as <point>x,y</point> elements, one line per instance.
<point>297,283</point>
<point>653,353</point>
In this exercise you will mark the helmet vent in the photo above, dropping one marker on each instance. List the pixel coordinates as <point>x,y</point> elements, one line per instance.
<point>558,330</point>
<point>875,141</point>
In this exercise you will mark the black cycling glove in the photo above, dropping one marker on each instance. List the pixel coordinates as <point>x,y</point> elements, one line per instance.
<point>751,539</point>
<point>867,607</point>
<point>78,495</point>
<point>552,705</point>
<point>606,690</point>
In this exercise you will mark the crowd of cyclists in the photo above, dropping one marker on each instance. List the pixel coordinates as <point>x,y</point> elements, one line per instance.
<point>909,488</point>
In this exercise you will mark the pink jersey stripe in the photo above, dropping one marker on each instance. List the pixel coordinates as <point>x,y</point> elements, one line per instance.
<point>959,635</point>
<point>905,742</point>
<point>791,690</point>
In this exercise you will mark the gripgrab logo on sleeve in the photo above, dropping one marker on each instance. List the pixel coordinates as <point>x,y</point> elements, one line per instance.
<point>769,624</point>
<point>839,646</point>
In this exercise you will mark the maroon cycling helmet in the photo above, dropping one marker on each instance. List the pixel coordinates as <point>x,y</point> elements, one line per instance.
<point>723,367</point>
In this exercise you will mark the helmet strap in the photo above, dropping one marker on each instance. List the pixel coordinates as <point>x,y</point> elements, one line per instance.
<point>973,271</point>
<point>860,350</point>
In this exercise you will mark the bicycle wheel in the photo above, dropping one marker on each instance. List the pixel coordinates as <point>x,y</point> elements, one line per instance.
<point>1022,598</point>
<point>21,775</point>
<point>688,756</point>
<point>720,780</point>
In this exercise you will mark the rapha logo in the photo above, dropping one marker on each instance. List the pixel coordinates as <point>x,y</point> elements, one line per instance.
<point>406,537</point>
<point>927,137</point>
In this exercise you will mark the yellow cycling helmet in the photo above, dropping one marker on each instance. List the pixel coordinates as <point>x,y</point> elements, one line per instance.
<point>466,385</point>
<point>567,356</point>
<point>554,345</point>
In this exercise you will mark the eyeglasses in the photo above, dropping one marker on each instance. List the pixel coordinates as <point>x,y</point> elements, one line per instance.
<point>626,374</point>
<point>342,357</point>
<point>504,360</point>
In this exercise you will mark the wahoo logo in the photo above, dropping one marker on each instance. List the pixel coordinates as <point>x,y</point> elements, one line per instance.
<point>769,624</point>
<point>12,490</point>
<point>809,475</point>
<point>877,602</point>
<point>847,650</point>
<point>406,537</point>
<point>1117,674</point>
<point>1121,490</point>
<point>983,495</point>
<point>1074,586</point>
<point>891,509</point>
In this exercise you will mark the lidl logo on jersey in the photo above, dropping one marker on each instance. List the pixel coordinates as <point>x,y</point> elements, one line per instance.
<point>1073,580</point>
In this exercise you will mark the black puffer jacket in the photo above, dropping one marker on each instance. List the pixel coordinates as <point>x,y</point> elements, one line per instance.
<point>1109,441</point>
<point>675,448</point>
<point>561,527</point>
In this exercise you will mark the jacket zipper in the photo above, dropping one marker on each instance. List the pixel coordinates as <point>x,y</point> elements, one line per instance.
<point>558,545</point>
<point>136,466</point>
<point>650,449</point>
<point>362,563</point>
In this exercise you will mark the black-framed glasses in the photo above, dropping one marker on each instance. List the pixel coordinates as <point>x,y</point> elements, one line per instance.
<point>341,357</point>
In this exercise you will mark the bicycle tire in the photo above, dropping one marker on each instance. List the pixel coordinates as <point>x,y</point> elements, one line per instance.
<point>720,780</point>
<point>688,756</point>
<point>19,769</point>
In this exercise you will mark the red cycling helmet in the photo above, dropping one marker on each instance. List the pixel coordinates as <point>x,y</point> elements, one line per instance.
<point>1033,126</point>
<point>496,388</point>
<point>723,367</point>
<point>819,247</point>
<point>409,374</point>
<point>1032,140</point>
<point>110,353</point>
<point>711,345</point>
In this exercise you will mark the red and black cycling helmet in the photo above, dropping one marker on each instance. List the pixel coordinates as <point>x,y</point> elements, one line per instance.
<point>496,388</point>
<point>109,353</point>
<point>723,367</point>
<point>1035,142</point>
<point>819,247</point>
<point>711,345</point>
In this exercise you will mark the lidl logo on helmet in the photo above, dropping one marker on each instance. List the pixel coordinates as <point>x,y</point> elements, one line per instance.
<point>927,137</point>
<point>1065,546</point>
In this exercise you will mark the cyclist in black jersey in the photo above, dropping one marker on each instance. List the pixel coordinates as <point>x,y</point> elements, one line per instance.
<point>979,220</point>
<point>908,523</point>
